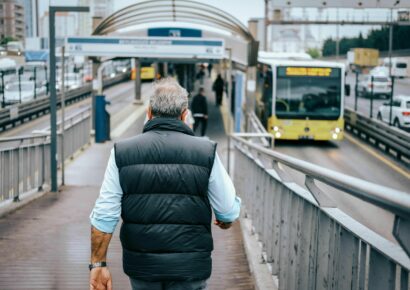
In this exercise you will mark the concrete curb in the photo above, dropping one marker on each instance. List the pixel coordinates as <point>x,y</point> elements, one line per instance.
<point>259,268</point>
<point>9,206</point>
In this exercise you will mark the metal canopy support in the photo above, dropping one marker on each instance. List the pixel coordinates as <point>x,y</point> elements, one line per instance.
<point>172,10</point>
<point>52,87</point>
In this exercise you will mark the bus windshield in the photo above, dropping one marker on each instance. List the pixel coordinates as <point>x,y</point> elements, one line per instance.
<point>308,92</point>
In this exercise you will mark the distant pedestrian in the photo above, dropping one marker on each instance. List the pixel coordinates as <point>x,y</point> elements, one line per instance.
<point>199,108</point>
<point>209,69</point>
<point>218,88</point>
<point>200,75</point>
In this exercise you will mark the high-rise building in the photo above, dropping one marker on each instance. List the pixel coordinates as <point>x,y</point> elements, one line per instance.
<point>65,24</point>
<point>12,20</point>
<point>31,17</point>
<point>98,8</point>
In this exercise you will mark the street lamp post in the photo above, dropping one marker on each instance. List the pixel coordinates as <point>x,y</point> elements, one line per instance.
<point>20,72</point>
<point>52,87</point>
<point>35,83</point>
<point>2,90</point>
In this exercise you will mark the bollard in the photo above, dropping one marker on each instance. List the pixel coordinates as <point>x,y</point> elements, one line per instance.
<point>102,120</point>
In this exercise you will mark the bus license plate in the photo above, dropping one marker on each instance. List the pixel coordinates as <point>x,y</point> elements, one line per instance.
<point>306,137</point>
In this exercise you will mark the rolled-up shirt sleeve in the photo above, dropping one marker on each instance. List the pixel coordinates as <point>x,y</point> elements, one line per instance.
<point>107,210</point>
<point>222,195</point>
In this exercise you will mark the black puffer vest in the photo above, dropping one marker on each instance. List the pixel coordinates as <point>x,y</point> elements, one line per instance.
<point>166,230</point>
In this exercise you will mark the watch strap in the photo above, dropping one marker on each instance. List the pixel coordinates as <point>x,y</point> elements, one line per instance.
<point>97,265</point>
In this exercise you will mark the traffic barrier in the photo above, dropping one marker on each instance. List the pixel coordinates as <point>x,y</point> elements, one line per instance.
<point>25,160</point>
<point>392,140</point>
<point>307,241</point>
<point>13,115</point>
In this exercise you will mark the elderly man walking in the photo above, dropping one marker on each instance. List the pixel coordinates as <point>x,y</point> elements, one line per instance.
<point>164,183</point>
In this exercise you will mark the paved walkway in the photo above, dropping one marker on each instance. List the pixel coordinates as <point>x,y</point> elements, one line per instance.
<point>46,244</point>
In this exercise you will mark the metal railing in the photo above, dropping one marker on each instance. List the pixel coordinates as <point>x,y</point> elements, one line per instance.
<point>392,140</point>
<point>255,126</point>
<point>308,242</point>
<point>25,160</point>
<point>21,113</point>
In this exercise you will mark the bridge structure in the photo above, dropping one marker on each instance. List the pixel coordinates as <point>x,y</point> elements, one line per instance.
<point>315,215</point>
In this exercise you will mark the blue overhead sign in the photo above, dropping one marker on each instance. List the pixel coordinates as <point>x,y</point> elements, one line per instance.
<point>148,47</point>
<point>174,32</point>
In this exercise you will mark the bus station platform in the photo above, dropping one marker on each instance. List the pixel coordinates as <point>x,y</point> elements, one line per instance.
<point>46,244</point>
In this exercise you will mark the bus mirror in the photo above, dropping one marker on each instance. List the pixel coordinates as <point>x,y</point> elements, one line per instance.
<point>347,90</point>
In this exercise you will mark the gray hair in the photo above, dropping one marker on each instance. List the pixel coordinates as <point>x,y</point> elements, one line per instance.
<point>168,99</point>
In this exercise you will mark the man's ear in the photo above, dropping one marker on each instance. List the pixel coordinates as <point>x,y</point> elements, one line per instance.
<point>149,113</point>
<point>184,114</point>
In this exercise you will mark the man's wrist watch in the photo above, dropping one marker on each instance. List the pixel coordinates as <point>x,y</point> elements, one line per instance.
<point>97,265</point>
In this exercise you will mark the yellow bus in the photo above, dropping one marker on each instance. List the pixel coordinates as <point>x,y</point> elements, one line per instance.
<point>147,73</point>
<point>301,99</point>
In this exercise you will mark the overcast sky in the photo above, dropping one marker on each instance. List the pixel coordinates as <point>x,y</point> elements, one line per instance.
<point>245,9</point>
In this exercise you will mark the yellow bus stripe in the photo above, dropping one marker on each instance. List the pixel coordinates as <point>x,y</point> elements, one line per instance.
<point>378,156</point>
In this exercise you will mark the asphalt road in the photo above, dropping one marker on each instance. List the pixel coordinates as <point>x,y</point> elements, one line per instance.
<point>349,158</point>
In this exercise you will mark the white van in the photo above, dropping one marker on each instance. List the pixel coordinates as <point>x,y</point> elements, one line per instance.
<point>399,66</point>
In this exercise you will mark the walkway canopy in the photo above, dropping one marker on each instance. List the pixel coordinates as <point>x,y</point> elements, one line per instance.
<point>183,11</point>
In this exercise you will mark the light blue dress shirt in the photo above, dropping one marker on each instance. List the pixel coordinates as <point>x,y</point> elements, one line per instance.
<point>107,209</point>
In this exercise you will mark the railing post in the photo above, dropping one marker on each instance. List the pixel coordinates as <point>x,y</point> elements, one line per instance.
<point>2,90</point>
<point>391,100</point>
<point>43,162</point>
<point>371,97</point>
<point>16,197</point>
<point>356,90</point>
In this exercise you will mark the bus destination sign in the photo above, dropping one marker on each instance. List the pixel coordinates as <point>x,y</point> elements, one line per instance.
<point>309,71</point>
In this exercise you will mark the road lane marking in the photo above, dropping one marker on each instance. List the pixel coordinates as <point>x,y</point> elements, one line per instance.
<point>127,123</point>
<point>378,156</point>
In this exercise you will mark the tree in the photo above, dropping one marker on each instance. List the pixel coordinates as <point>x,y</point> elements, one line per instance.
<point>313,52</point>
<point>377,38</point>
<point>6,40</point>
<point>329,47</point>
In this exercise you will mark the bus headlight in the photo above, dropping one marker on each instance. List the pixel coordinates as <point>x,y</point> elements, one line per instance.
<point>334,136</point>
<point>338,130</point>
<point>278,134</point>
<point>276,129</point>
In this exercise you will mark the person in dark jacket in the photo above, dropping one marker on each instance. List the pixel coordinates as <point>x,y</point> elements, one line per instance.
<point>218,88</point>
<point>199,108</point>
<point>164,183</point>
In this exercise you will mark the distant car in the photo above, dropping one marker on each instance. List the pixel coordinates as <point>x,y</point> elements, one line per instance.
<point>121,69</point>
<point>71,81</point>
<point>398,67</point>
<point>13,92</point>
<point>381,86</point>
<point>400,112</point>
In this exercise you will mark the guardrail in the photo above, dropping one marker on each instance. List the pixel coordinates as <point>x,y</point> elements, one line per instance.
<point>26,111</point>
<point>392,140</point>
<point>308,242</point>
<point>25,160</point>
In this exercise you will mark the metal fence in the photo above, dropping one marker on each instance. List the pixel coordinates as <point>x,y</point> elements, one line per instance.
<point>393,141</point>
<point>24,112</point>
<point>308,242</point>
<point>25,160</point>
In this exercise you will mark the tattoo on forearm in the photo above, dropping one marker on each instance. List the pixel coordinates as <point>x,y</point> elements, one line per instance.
<point>99,245</point>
